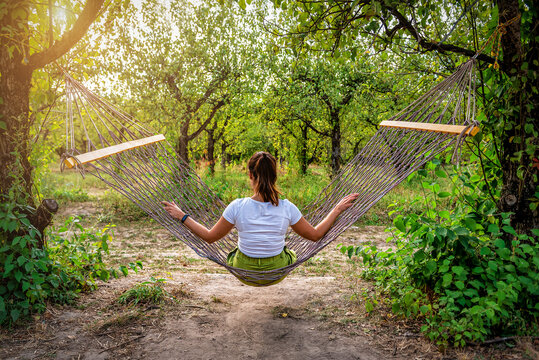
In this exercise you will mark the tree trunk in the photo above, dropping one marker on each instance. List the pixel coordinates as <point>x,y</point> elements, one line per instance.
<point>211,149</point>
<point>518,189</point>
<point>181,148</point>
<point>224,156</point>
<point>43,217</point>
<point>15,83</point>
<point>183,142</point>
<point>303,152</point>
<point>335,143</point>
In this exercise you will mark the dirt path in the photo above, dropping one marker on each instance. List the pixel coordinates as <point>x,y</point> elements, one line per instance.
<point>316,313</point>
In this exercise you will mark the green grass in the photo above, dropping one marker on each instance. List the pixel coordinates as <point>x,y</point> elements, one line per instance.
<point>69,179</point>
<point>118,208</point>
<point>64,187</point>
<point>149,292</point>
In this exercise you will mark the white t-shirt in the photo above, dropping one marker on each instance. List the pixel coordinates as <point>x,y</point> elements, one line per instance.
<point>261,225</point>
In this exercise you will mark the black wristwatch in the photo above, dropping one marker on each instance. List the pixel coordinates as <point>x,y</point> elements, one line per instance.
<point>184,218</point>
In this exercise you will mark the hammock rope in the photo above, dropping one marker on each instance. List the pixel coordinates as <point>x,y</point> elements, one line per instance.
<point>148,174</point>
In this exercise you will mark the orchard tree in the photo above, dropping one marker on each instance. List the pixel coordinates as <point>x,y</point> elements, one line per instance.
<point>184,62</point>
<point>332,85</point>
<point>214,133</point>
<point>452,29</point>
<point>293,118</point>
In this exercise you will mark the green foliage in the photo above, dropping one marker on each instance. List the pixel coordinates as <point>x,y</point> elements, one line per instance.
<point>81,251</point>
<point>30,276</point>
<point>466,271</point>
<point>147,292</point>
<point>75,195</point>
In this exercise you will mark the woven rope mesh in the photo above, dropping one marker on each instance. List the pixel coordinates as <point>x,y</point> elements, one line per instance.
<point>150,174</point>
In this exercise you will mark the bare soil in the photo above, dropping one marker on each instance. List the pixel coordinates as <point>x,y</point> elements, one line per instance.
<point>318,312</point>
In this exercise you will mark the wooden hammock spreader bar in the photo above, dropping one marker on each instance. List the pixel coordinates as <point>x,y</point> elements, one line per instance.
<point>111,150</point>
<point>441,128</point>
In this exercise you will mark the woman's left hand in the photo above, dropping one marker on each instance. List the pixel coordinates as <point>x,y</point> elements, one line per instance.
<point>173,209</point>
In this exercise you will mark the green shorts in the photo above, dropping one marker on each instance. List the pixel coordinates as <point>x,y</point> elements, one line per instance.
<point>239,260</point>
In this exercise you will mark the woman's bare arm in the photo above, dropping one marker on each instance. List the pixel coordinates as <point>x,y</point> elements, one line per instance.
<point>217,232</point>
<point>315,233</point>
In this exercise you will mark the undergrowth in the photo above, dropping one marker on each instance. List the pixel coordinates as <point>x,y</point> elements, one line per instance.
<point>150,292</point>
<point>72,262</point>
<point>466,272</point>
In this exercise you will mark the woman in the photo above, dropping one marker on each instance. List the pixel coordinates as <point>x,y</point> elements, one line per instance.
<point>261,220</point>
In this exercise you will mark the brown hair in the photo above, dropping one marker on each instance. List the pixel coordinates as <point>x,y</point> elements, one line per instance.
<point>263,168</point>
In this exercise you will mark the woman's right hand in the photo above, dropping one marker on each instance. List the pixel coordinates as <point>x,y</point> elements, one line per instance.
<point>345,202</point>
<point>173,209</point>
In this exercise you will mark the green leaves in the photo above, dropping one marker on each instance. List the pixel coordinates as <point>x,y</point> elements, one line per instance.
<point>33,276</point>
<point>482,271</point>
<point>15,313</point>
<point>499,243</point>
<point>399,224</point>
<point>485,251</point>
<point>447,279</point>
<point>430,268</point>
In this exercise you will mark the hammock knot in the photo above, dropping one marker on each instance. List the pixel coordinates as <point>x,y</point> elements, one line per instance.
<point>78,165</point>
<point>457,153</point>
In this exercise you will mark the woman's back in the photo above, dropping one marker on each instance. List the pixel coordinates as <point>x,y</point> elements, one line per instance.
<point>261,225</point>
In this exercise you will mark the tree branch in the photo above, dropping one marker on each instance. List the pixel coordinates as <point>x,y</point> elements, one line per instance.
<point>435,46</point>
<point>216,107</point>
<point>319,132</point>
<point>62,46</point>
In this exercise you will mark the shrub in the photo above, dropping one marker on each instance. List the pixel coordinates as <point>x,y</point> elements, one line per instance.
<point>31,276</point>
<point>466,271</point>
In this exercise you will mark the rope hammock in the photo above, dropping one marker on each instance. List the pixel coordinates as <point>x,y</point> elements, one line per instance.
<point>145,169</point>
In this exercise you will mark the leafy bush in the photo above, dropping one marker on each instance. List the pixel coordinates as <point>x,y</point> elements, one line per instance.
<point>80,251</point>
<point>466,271</point>
<point>31,276</point>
